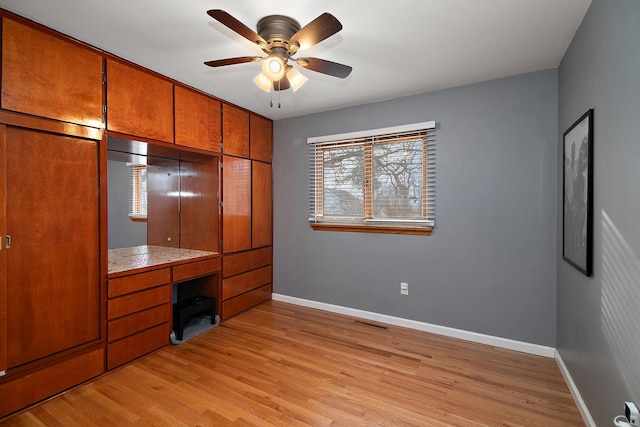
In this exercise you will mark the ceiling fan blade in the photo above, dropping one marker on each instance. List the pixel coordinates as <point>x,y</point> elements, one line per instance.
<point>317,30</point>
<point>237,26</point>
<point>232,61</point>
<point>283,84</point>
<point>325,67</point>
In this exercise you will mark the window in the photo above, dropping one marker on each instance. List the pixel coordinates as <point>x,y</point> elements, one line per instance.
<point>138,201</point>
<point>379,181</point>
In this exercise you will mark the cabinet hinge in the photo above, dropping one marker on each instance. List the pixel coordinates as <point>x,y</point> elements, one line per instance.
<point>104,79</point>
<point>222,204</point>
<point>221,144</point>
<point>221,165</point>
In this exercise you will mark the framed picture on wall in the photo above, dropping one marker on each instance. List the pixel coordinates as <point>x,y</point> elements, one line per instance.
<point>577,200</point>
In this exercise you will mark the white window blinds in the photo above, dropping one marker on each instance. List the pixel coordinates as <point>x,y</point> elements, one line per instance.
<point>379,176</point>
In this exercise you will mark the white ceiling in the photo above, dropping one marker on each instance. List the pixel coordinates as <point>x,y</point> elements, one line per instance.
<point>396,48</point>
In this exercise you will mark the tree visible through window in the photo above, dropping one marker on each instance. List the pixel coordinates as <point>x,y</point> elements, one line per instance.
<point>386,176</point>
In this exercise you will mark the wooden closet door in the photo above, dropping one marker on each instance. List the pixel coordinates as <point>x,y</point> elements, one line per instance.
<point>261,205</point>
<point>52,216</point>
<point>236,209</point>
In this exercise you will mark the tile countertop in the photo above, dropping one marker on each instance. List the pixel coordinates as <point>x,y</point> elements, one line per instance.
<point>140,258</point>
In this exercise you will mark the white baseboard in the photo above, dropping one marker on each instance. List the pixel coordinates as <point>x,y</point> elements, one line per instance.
<point>577,398</point>
<point>509,344</point>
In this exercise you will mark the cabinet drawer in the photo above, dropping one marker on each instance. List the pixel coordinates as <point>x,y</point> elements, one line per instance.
<point>132,303</point>
<point>195,269</point>
<point>245,301</point>
<point>245,282</point>
<point>137,345</point>
<point>50,380</point>
<point>133,323</point>
<point>245,261</point>
<point>138,282</point>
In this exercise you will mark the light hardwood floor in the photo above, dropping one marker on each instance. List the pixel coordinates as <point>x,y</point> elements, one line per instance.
<point>285,365</point>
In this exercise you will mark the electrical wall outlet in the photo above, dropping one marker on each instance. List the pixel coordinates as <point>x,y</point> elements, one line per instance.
<point>631,412</point>
<point>404,288</point>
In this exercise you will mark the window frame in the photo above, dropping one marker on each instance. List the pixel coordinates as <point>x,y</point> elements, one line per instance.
<point>368,139</point>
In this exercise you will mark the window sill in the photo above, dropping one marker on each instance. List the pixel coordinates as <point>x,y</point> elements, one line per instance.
<point>138,218</point>
<point>378,229</point>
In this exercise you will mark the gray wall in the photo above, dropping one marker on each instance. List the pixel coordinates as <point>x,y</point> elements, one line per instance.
<point>122,231</point>
<point>490,266</point>
<point>599,317</point>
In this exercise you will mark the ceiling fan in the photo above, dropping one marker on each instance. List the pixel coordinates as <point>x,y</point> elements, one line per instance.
<point>281,37</point>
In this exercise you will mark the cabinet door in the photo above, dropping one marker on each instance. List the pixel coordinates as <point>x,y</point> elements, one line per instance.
<point>261,138</point>
<point>197,120</point>
<point>49,77</point>
<point>138,103</point>
<point>52,267</point>
<point>261,204</point>
<point>236,210</point>
<point>235,131</point>
<point>3,258</point>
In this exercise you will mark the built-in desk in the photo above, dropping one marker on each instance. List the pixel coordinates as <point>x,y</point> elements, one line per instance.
<point>140,295</point>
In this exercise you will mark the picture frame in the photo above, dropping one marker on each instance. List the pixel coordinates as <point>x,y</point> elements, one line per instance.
<point>577,194</point>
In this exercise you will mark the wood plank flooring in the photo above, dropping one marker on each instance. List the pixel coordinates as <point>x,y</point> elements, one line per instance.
<point>285,365</point>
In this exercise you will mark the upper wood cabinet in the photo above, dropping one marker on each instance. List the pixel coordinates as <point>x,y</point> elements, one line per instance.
<point>261,138</point>
<point>198,121</point>
<point>235,131</point>
<point>139,103</point>
<point>46,76</point>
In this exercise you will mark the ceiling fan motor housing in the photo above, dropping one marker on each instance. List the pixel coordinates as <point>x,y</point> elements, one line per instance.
<point>277,30</point>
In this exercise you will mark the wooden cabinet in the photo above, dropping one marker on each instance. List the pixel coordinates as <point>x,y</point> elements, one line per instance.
<point>52,268</point>
<point>260,139</point>
<point>261,205</point>
<point>236,210</point>
<point>139,103</point>
<point>50,322</point>
<point>246,280</point>
<point>46,76</point>
<point>198,120</point>
<point>138,315</point>
<point>235,131</point>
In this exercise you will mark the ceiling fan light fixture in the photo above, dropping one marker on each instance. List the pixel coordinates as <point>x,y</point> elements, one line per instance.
<point>296,79</point>
<point>263,82</point>
<point>273,67</point>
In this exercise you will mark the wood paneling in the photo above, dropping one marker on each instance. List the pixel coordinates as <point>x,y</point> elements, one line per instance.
<point>261,209</point>
<point>138,301</point>
<point>236,211</point>
<point>139,282</point>
<point>49,77</point>
<point>235,131</point>
<point>245,261</point>
<point>163,202</point>
<point>242,302</point>
<point>23,391</point>
<point>129,325</point>
<point>53,280</point>
<point>199,208</point>
<point>139,103</point>
<point>261,138</point>
<point>198,120</point>
<point>244,282</point>
<point>134,346</point>
<point>196,269</point>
